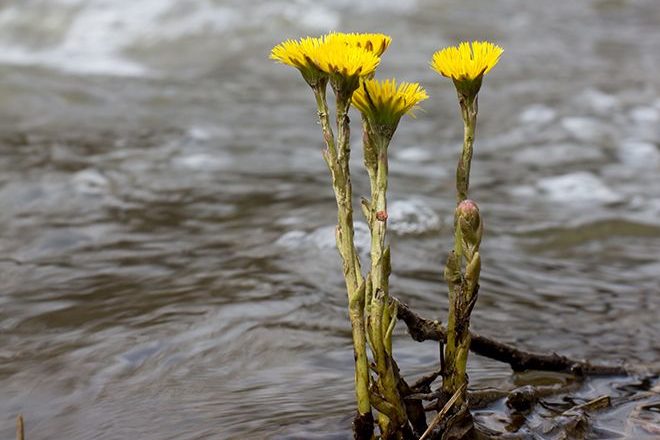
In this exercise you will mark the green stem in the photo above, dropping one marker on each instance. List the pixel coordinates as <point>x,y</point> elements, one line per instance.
<point>337,157</point>
<point>469,108</point>
<point>451,378</point>
<point>382,314</point>
<point>324,119</point>
<point>462,289</point>
<point>378,223</point>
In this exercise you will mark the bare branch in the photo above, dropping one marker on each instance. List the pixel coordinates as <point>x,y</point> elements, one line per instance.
<point>421,329</point>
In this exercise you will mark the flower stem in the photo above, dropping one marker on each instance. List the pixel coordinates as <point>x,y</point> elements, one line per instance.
<point>463,265</point>
<point>378,222</point>
<point>337,157</point>
<point>381,317</point>
<point>469,108</point>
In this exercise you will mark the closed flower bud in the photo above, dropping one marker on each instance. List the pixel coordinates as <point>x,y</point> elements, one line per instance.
<point>469,221</point>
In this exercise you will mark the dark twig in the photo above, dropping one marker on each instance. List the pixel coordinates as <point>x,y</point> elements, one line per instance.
<point>441,346</point>
<point>523,398</point>
<point>520,398</point>
<point>425,396</point>
<point>421,329</point>
<point>425,382</point>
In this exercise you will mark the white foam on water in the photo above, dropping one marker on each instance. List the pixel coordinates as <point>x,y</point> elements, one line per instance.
<point>559,154</point>
<point>599,101</point>
<point>413,154</point>
<point>645,115</point>
<point>404,217</point>
<point>526,191</point>
<point>639,154</point>
<point>96,36</point>
<point>580,187</point>
<point>411,217</point>
<point>375,5</point>
<point>91,181</point>
<point>94,40</point>
<point>323,237</point>
<point>537,114</point>
<point>203,161</point>
<point>585,129</point>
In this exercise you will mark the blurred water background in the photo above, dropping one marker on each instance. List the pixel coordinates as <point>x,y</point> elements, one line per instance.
<point>167,255</point>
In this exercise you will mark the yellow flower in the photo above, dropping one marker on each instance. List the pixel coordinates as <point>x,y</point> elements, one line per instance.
<point>338,59</point>
<point>385,102</point>
<point>298,54</point>
<point>376,43</point>
<point>468,61</point>
<point>341,56</point>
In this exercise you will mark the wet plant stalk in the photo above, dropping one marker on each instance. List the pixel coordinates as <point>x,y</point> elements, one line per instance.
<point>337,158</point>
<point>463,286</point>
<point>469,108</point>
<point>381,310</point>
<point>463,264</point>
<point>378,217</point>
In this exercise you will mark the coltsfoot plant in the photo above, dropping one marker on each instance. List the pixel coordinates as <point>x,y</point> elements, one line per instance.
<point>348,62</point>
<point>466,65</point>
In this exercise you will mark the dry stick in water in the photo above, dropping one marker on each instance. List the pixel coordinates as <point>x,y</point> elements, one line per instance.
<point>421,329</point>
<point>441,414</point>
<point>601,402</point>
<point>20,428</point>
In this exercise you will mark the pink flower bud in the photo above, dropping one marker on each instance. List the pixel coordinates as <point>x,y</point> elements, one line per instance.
<point>469,210</point>
<point>468,220</point>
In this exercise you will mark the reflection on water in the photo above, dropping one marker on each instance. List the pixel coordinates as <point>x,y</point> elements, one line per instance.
<point>166,224</point>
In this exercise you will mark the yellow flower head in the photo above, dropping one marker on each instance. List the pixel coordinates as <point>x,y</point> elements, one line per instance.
<point>376,43</point>
<point>383,103</point>
<point>467,63</point>
<point>344,62</point>
<point>342,57</point>
<point>298,54</point>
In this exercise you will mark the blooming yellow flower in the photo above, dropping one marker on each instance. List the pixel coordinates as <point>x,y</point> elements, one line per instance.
<point>335,57</point>
<point>343,57</point>
<point>298,54</point>
<point>468,61</point>
<point>385,102</point>
<point>376,43</point>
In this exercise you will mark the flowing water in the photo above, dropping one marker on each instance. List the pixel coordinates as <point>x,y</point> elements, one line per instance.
<point>166,232</point>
